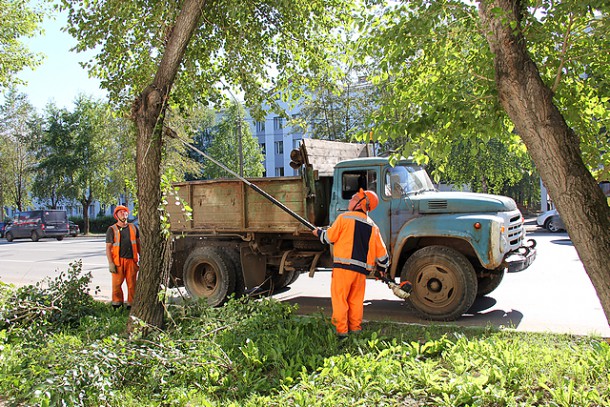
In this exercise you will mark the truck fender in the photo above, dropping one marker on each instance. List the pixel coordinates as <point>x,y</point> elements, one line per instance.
<point>485,239</point>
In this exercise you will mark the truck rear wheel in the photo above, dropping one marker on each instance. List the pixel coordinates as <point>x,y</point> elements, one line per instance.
<point>444,282</point>
<point>240,285</point>
<point>283,280</point>
<point>209,273</point>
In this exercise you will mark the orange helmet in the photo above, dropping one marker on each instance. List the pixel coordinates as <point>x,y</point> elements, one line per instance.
<point>119,208</point>
<point>370,198</point>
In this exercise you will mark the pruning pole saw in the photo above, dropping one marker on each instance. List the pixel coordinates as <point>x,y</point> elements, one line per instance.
<point>401,290</point>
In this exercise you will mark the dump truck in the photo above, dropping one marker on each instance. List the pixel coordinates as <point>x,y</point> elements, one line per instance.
<point>452,246</point>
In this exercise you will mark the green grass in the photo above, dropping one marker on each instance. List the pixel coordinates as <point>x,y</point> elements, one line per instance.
<point>261,353</point>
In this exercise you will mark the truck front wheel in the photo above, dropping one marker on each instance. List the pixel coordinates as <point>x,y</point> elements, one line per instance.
<point>489,283</point>
<point>444,282</point>
<point>209,273</point>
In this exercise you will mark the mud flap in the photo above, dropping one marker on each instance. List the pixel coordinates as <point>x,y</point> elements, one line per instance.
<point>256,266</point>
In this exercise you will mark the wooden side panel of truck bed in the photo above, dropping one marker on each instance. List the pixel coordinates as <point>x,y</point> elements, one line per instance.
<point>229,205</point>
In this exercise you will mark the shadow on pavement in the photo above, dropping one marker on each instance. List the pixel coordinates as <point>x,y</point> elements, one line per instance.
<point>400,311</point>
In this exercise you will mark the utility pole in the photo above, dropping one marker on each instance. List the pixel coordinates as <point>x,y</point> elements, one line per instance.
<point>240,144</point>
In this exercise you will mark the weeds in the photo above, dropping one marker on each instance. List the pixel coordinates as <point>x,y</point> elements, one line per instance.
<point>59,347</point>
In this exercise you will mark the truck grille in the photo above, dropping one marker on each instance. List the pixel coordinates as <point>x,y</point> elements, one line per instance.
<point>515,232</point>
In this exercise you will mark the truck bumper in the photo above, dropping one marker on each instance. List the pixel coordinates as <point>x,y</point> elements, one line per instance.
<point>521,258</point>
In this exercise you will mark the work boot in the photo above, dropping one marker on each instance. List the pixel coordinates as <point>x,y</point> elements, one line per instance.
<point>117,306</point>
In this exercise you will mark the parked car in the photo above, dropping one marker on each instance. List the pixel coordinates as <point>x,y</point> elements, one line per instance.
<point>556,224</point>
<point>74,229</point>
<point>39,224</point>
<point>3,227</point>
<point>551,221</point>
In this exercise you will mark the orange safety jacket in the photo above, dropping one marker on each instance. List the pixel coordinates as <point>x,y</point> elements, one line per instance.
<point>116,243</point>
<point>358,245</point>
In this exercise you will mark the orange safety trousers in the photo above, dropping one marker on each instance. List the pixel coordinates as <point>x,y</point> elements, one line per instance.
<point>347,297</point>
<point>127,270</point>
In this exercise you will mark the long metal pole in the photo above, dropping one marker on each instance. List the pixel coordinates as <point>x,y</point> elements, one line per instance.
<point>251,185</point>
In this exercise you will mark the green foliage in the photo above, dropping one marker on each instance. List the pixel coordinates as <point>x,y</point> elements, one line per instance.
<point>260,48</point>
<point>261,352</point>
<point>47,306</point>
<point>19,19</point>
<point>438,95</point>
<point>225,147</point>
<point>18,125</point>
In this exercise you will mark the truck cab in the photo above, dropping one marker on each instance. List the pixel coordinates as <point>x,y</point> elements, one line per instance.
<point>452,246</point>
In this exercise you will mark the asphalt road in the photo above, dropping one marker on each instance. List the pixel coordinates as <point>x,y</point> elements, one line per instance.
<point>553,295</point>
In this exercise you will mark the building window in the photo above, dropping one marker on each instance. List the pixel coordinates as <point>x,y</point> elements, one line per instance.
<point>279,171</point>
<point>260,127</point>
<point>279,147</point>
<point>278,123</point>
<point>263,147</point>
<point>296,143</point>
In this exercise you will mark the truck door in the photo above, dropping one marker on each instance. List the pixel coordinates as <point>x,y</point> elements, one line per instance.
<point>350,182</point>
<point>401,207</point>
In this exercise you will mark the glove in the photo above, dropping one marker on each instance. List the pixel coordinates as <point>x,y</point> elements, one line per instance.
<point>112,268</point>
<point>379,273</point>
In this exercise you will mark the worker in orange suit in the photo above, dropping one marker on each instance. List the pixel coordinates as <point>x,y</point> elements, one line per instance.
<point>122,251</point>
<point>358,251</point>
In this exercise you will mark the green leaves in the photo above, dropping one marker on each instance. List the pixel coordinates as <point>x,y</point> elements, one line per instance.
<point>18,19</point>
<point>260,352</point>
<point>259,48</point>
<point>439,96</point>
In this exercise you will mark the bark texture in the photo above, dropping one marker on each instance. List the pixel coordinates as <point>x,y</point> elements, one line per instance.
<point>148,113</point>
<point>553,146</point>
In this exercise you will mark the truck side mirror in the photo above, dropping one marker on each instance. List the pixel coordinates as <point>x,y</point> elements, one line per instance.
<point>397,190</point>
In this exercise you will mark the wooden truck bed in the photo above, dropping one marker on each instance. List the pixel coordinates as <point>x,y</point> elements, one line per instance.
<point>229,205</point>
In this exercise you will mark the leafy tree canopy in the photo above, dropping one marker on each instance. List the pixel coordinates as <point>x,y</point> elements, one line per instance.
<point>260,48</point>
<point>436,73</point>
<point>18,125</point>
<point>230,136</point>
<point>18,19</point>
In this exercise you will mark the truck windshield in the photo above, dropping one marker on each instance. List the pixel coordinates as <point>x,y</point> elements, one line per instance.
<point>413,178</point>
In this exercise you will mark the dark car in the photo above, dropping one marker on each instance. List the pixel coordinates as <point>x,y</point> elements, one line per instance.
<point>39,224</point>
<point>74,229</point>
<point>3,227</point>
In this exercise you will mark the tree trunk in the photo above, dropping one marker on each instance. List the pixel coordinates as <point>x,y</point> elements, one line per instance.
<point>148,113</point>
<point>85,205</point>
<point>553,146</point>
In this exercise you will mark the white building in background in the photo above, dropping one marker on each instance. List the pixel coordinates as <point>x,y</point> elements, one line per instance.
<point>277,139</point>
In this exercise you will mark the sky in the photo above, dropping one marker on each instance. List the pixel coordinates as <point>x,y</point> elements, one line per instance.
<point>60,78</point>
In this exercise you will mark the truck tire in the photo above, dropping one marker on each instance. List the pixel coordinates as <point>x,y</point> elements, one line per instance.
<point>444,282</point>
<point>488,283</point>
<point>35,236</point>
<point>295,277</point>
<point>240,285</point>
<point>8,236</point>
<point>283,280</point>
<point>208,273</point>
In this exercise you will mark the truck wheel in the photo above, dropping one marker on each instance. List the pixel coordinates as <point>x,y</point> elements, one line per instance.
<point>444,282</point>
<point>35,237</point>
<point>240,285</point>
<point>295,277</point>
<point>489,283</point>
<point>208,273</point>
<point>283,280</point>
